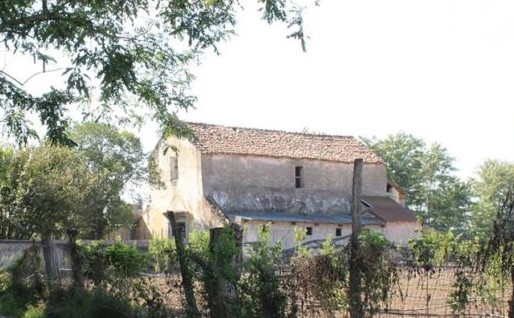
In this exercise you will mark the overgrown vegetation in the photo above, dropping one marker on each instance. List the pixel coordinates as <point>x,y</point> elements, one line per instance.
<point>264,284</point>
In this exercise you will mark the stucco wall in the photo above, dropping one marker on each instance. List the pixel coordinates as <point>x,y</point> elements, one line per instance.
<point>12,250</point>
<point>401,232</point>
<point>250,183</point>
<point>182,191</point>
<point>284,232</point>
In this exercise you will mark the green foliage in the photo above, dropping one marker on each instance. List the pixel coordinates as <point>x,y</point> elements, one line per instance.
<point>9,305</point>
<point>163,255</point>
<point>433,249</point>
<point>70,303</point>
<point>116,274</point>
<point>261,292</point>
<point>459,298</point>
<point>378,268</point>
<point>116,159</point>
<point>322,278</point>
<point>26,283</point>
<point>12,223</point>
<point>221,275</point>
<point>489,189</point>
<point>127,58</point>
<point>124,261</point>
<point>112,264</point>
<point>199,242</point>
<point>299,236</point>
<point>34,312</point>
<point>328,247</point>
<point>21,286</point>
<point>47,190</point>
<point>438,197</point>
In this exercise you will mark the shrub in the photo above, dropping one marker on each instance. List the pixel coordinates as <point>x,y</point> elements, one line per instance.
<point>163,255</point>
<point>261,291</point>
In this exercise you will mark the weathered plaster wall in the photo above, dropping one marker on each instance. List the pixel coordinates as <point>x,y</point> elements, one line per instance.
<point>12,250</point>
<point>401,232</point>
<point>284,232</point>
<point>182,191</point>
<point>251,183</point>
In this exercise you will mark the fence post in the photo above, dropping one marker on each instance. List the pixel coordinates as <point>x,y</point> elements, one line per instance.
<point>356,306</point>
<point>185,270</point>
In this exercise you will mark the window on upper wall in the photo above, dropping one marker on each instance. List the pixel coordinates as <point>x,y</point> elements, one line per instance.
<point>338,231</point>
<point>308,230</point>
<point>298,176</point>
<point>173,168</point>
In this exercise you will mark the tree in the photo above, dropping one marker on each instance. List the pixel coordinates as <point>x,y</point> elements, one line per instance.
<point>117,160</point>
<point>11,167</point>
<point>135,52</point>
<point>47,190</point>
<point>489,188</point>
<point>438,197</point>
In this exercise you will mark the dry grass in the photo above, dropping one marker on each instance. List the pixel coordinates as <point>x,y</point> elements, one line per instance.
<point>415,296</point>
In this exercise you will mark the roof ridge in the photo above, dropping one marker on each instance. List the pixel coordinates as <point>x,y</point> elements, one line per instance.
<point>219,139</point>
<point>273,130</point>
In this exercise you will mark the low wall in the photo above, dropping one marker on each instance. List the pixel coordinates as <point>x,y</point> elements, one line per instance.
<point>12,250</point>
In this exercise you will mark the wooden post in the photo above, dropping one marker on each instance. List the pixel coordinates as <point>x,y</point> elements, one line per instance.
<point>185,270</point>
<point>356,306</point>
<point>222,290</point>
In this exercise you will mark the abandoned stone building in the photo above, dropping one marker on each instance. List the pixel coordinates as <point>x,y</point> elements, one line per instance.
<point>255,177</point>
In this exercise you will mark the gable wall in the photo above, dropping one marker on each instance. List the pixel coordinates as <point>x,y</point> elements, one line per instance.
<point>182,191</point>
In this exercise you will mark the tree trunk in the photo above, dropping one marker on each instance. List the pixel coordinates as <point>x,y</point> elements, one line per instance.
<point>356,306</point>
<point>50,257</point>
<point>185,270</point>
<point>76,260</point>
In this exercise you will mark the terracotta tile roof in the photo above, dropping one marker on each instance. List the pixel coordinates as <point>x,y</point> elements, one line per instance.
<point>388,210</point>
<point>214,139</point>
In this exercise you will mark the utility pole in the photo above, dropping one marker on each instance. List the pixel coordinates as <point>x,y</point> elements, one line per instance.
<point>356,306</point>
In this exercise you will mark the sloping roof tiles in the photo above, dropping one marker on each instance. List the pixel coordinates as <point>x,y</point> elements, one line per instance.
<point>214,139</point>
<point>388,210</point>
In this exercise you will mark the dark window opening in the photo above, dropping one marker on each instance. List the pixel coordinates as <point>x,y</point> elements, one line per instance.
<point>173,168</point>
<point>181,230</point>
<point>308,230</point>
<point>298,171</point>
<point>338,231</point>
<point>389,188</point>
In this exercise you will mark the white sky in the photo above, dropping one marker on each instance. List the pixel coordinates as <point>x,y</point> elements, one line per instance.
<point>442,70</point>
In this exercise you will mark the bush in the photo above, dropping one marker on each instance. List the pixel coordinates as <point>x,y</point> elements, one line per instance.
<point>163,255</point>
<point>21,286</point>
<point>73,303</point>
<point>110,264</point>
<point>261,291</point>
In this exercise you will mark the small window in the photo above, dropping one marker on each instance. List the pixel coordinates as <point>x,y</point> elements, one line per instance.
<point>338,231</point>
<point>298,172</point>
<point>308,230</point>
<point>173,168</point>
<point>181,230</point>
